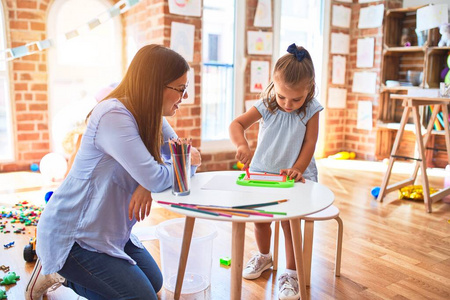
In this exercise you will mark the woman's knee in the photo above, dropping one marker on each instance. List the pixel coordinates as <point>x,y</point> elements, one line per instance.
<point>262,226</point>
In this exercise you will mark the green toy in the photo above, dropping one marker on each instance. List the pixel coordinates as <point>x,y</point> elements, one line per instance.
<point>3,294</point>
<point>226,261</point>
<point>262,183</point>
<point>10,278</point>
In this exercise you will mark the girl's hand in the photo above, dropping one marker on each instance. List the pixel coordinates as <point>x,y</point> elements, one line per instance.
<point>293,173</point>
<point>244,155</point>
<point>140,204</point>
<point>196,158</point>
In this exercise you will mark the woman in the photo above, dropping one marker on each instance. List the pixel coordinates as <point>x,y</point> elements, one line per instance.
<point>84,235</point>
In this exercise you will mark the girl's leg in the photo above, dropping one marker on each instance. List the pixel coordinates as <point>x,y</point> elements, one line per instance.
<point>290,258</point>
<point>96,275</point>
<point>263,233</point>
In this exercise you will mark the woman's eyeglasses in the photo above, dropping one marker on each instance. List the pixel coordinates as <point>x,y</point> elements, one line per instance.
<point>182,91</point>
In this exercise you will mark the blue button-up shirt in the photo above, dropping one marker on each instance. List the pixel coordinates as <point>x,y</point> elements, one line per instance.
<point>91,205</point>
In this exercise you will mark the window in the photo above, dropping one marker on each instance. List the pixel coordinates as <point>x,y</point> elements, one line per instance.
<point>301,22</point>
<point>6,132</point>
<point>79,67</point>
<point>222,93</point>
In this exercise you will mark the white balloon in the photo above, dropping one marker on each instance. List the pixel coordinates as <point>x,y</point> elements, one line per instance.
<point>53,166</point>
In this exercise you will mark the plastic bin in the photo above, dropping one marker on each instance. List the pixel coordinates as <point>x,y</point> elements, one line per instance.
<point>197,276</point>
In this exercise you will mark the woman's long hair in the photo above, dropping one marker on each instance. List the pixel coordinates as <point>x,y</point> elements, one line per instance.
<point>141,90</point>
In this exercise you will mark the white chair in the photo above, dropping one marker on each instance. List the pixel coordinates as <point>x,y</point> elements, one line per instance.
<point>329,213</point>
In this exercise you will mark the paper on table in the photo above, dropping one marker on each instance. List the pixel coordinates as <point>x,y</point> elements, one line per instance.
<point>364,55</point>
<point>340,43</point>
<point>228,183</point>
<point>338,72</point>
<point>337,98</point>
<point>341,16</point>
<point>371,16</point>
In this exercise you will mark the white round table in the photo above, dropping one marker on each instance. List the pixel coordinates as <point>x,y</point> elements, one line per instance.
<point>220,188</point>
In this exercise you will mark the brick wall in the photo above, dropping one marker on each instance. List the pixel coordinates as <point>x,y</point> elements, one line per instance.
<point>150,22</point>
<point>342,134</point>
<point>25,21</point>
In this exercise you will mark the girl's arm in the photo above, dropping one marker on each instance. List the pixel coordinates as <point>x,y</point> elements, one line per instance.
<point>307,151</point>
<point>237,136</point>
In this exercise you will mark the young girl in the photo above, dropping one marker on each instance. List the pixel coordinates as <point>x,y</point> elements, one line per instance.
<point>289,125</point>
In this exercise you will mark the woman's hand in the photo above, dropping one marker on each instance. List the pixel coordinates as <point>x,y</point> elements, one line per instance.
<point>244,155</point>
<point>140,204</point>
<point>293,173</point>
<point>196,158</point>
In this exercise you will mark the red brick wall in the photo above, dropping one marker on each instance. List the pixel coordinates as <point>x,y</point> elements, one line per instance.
<point>150,22</point>
<point>341,131</point>
<point>25,22</point>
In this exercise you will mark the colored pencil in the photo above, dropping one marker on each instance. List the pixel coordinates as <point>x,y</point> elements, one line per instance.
<point>272,212</point>
<point>261,204</point>
<point>196,210</point>
<point>228,210</point>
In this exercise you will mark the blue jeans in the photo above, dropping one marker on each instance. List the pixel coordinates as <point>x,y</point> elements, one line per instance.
<point>96,275</point>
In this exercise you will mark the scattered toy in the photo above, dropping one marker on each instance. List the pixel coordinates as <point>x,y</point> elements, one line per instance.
<point>226,261</point>
<point>9,245</point>
<point>10,278</point>
<point>3,294</point>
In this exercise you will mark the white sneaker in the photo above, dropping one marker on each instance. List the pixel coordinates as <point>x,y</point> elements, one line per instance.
<point>288,287</point>
<point>39,284</point>
<point>256,265</point>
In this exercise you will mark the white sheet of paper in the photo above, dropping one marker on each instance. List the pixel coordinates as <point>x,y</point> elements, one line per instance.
<point>339,67</point>
<point>337,98</point>
<point>366,1</point>
<point>345,1</point>
<point>191,88</point>
<point>259,76</point>
<point>364,82</point>
<point>340,43</point>
<point>431,16</point>
<point>371,16</point>
<point>259,42</point>
<point>263,15</point>
<point>249,104</point>
<point>185,7</point>
<point>364,120</point>
<point>182,40</point>
<point>365,53</point>
<point>341,16</point>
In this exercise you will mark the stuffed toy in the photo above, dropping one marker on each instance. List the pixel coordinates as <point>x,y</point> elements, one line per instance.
<point>444,30</point>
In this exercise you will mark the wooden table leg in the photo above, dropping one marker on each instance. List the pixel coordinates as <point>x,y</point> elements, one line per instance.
<point>296,232</point>
<point>237,256</point>
<point>395,146</point>
<point>187,236</point>
<point>423,162</point>
<point>307,249</point>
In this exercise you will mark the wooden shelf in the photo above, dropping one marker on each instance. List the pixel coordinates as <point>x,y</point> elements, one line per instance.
<point>400,50</point>
<point>385,88</point>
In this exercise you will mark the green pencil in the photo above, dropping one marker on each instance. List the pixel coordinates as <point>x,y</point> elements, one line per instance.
<point>271,212</point>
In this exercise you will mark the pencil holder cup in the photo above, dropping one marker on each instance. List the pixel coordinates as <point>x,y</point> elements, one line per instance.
<point>181,183</point>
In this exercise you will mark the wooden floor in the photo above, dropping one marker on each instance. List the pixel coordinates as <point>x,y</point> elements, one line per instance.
<point>391,250</point>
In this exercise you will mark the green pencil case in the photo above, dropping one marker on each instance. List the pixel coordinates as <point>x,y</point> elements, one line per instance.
<point>262,183</point>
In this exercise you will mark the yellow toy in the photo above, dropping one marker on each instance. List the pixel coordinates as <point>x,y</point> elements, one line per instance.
<point>343,155</point>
